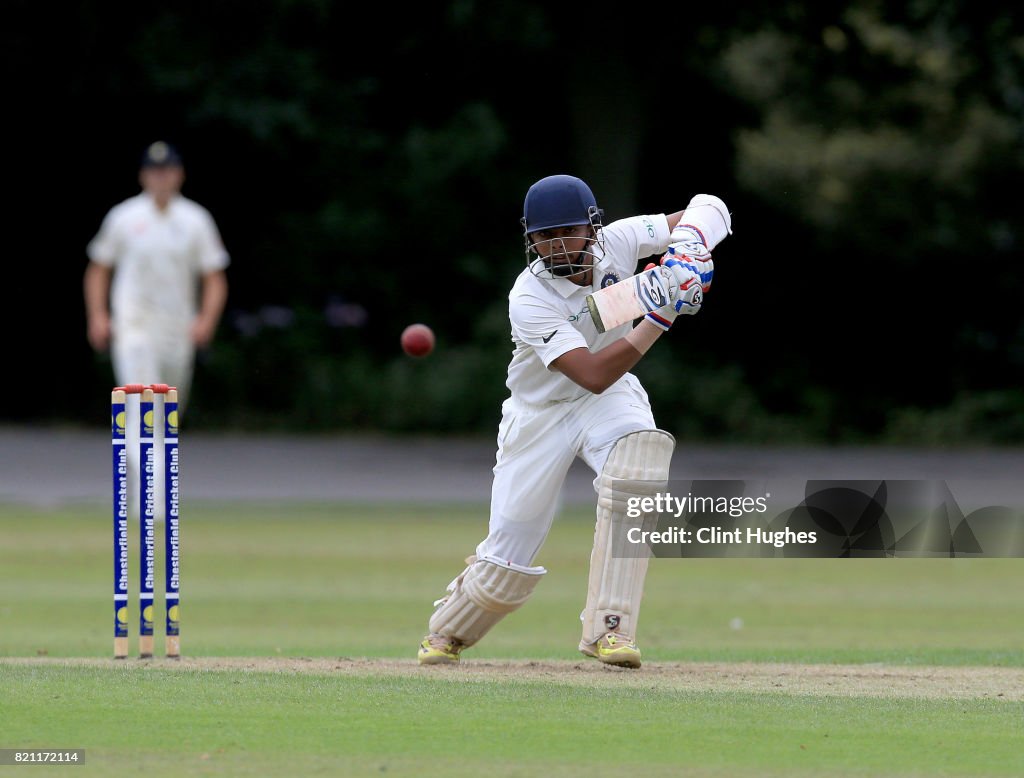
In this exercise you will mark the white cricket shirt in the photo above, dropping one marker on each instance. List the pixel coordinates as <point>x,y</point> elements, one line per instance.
<point>158,257</point>
<point>550,317</point>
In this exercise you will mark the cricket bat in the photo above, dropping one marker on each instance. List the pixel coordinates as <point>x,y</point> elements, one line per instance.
<point>630,298</point>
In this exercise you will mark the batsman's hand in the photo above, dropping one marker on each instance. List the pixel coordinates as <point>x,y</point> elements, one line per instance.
<point>689,245</point>
<point>687,239</point>
<point>688,287</point>
<point>685,292</point>
<point>702,264</point>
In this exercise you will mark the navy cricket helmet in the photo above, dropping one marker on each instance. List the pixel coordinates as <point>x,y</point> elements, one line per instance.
<point>560,201</point>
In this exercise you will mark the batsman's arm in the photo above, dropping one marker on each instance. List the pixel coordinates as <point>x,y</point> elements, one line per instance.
<point>596,371</point>
<point>673,219</point>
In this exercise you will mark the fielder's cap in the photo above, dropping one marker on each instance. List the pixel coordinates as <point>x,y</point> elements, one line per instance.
<point>160,154</point>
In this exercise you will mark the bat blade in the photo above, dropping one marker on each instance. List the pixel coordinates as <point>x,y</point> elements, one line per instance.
<point>629,299</point>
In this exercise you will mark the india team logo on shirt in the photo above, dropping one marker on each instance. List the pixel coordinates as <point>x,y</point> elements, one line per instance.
<point>609,279</point>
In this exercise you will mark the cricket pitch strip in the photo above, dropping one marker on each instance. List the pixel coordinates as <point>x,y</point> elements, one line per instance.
<point>823,680</point>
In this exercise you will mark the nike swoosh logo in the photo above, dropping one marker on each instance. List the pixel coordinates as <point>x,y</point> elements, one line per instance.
<point>549,337</point>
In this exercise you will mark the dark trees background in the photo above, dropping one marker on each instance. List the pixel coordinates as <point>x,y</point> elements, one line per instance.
<point>367,167</point>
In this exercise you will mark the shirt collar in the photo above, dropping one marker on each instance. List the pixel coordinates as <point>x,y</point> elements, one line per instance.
<point>567,288</point>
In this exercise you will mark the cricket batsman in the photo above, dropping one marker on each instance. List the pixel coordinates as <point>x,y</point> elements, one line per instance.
<point>572,395</point>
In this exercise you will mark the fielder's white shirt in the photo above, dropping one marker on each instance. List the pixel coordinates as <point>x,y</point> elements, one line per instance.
<point>550,317</point>
<point>159,257</point>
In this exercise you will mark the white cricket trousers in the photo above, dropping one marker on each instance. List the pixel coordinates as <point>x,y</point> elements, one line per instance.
<point>142,357</point>
<point>536,447</point>
<point>154,357</point>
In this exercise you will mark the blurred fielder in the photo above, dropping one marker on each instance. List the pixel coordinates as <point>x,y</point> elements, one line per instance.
<point>572,396</point>
<point>155,286</point>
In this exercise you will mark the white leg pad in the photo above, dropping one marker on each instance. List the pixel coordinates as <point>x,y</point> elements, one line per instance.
<point>487,591</point>
<point>637,466</point>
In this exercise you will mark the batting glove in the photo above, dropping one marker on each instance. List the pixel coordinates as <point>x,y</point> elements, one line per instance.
<point>685,293</point>
<point>688,246</point>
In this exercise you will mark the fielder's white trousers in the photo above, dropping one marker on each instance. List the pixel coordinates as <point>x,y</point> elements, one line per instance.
<point>536,447</point>
<point>148,356</point>
<point>144,356</point>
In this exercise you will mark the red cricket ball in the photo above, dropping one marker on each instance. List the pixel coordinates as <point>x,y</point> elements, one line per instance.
<point>417,340</point>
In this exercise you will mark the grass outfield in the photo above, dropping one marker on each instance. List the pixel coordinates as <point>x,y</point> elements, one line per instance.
<point>299,628</point>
